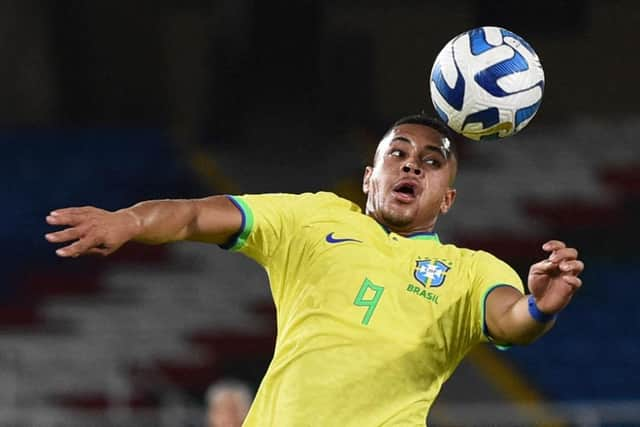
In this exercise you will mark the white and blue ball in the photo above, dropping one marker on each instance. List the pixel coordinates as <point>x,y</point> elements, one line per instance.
<point>487,83</point>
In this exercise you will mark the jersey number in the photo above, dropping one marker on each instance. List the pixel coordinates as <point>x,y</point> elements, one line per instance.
<point>371,302</point>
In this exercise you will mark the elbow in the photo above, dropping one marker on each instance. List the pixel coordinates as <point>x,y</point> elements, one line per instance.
<point>525,340</point>
<point>524,335</point>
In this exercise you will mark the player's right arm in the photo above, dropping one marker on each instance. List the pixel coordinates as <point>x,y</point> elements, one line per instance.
<point>90,230</point>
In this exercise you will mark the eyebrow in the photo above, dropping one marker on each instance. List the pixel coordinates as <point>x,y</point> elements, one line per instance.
<point>441,150</point>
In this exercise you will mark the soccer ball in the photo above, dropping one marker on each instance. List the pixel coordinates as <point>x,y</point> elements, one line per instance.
<point>487,83</point>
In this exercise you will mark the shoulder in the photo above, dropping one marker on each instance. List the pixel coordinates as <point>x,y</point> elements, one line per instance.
<point>327,197</point>
<point>481,269</point>
<point>294,209</point>
<point>457,252</point>
<point>309,198</point>
<point>324,200</point>
<point>473,258</point>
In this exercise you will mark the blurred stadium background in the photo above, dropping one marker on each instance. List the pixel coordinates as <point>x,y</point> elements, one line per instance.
<point>109,103</point>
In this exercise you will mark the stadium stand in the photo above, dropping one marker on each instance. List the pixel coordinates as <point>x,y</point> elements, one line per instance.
<point>140,336</point>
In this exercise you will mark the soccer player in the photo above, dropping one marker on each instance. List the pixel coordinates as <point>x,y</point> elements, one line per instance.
<point>373,311</point>
<point>228,402</point>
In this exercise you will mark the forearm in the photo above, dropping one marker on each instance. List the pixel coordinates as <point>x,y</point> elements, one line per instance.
<point>161,221</point>
<point>212,219</point>
<point>509,320</point>
<point>95,231</point>
<point>517,326</point>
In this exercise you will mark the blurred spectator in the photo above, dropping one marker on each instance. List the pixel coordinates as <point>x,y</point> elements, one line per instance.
<point>228,402</point>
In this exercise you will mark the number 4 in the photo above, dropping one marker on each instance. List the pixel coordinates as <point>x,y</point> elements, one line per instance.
<point>369,303</point>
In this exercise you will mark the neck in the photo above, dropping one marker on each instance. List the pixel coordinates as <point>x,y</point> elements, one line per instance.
<point>403,230</point>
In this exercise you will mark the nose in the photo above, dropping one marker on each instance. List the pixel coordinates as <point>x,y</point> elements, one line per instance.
<point>410,167</point>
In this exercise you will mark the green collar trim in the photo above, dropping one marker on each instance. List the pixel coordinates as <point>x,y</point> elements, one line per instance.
<point>424,236</point>
<point>421,235</point>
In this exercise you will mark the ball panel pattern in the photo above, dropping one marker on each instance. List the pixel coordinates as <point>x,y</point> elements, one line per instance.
<point>487,82</point>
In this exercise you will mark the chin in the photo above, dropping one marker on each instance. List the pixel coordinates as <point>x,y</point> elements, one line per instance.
<point>397,219</point>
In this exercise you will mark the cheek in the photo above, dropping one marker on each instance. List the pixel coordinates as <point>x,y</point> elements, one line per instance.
<point>374,190</point>
<point>374,183</point>
<point>439,182</point>
<point>437,188</point>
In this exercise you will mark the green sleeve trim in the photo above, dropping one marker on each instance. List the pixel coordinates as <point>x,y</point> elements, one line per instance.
<point>238,240</point>
<point>483,309</point>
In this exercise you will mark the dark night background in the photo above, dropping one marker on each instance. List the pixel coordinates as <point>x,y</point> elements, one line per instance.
<point>110,103</point>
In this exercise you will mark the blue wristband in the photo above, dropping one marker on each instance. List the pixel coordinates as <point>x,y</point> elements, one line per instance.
<point>538,315</point>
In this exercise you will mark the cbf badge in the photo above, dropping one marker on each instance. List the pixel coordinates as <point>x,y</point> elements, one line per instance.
<point>430,272</point>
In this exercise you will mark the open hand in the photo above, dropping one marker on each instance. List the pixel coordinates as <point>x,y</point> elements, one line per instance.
<point>554,280</point>
<point>92,231</point>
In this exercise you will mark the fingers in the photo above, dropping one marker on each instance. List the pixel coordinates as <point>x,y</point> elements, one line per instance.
<point>87,232</point>
<point>555,280</point>
<point>73,210</point>
<point>563,254</point>
<point>565,266</point>
<point>573,267</point>
<point>80,247</point>
<point>543,267</point>
<point>86,246</point>
<point>71,219</point>
<point>98,251</point>
<point>87,225</point>
<point>574,281</point>
<point>553,245</point>
<point>64,235</point>
<point>70,216</point>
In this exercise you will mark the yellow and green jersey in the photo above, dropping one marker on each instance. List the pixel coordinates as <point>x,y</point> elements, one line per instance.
<point>370,323</point>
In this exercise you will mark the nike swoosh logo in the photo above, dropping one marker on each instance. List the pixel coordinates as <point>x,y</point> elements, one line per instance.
<point>331,239</point>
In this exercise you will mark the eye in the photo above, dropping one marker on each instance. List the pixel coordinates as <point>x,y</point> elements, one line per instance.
<point>396,153</point>
<point>432,162</point>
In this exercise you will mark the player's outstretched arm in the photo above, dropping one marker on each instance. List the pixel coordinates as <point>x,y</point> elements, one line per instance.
<point>89,230</point>
<point>519,319</point>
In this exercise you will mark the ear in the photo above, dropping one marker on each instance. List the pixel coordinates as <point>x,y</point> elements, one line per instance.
<point>447,200</point>
<point>365,180</point>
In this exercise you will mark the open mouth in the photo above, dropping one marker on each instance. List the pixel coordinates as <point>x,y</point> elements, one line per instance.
<point>405,191</point>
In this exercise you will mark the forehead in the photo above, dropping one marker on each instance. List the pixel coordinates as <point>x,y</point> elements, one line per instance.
<point>419,136</point>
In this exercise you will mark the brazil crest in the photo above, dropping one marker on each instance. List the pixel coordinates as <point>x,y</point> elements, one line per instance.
<point>430,272</point>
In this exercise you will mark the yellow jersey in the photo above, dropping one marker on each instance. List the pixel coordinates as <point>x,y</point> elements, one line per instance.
<point>370,323</point>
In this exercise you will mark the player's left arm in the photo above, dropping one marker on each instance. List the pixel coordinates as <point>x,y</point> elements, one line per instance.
<point>552,282</point>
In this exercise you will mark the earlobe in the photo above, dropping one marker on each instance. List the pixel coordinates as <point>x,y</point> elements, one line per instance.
<point>447,200</point>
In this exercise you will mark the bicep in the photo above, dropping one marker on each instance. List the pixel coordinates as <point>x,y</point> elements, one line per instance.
<point>216,220</point>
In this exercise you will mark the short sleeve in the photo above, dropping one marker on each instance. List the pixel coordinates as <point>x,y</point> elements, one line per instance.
<point>275,232</point>
<point>489,273</point>
<point>268,222</point>
<point>271,221</point>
